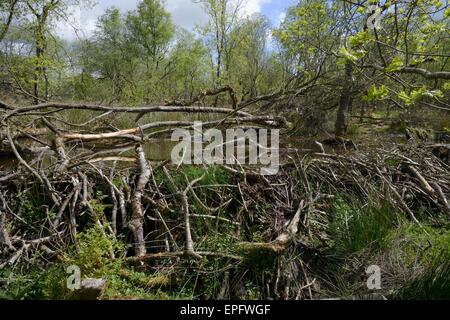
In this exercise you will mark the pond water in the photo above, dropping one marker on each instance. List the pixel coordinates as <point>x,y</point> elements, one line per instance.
<point>157,150</point>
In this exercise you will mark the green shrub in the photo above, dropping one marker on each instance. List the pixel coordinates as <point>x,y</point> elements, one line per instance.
<point>97,253</point>
<point>92,255</point>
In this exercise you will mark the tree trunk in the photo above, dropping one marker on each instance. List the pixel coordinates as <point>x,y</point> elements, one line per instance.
<point>218,75</point>
<point>40,71</point>
<point>9,19</point>
<point>345,102</point>
<point>137,219</point>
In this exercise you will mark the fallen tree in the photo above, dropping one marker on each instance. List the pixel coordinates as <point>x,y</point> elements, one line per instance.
<point>167,215</point>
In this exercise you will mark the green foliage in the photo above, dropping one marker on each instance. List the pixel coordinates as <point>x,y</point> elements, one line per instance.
<point>99,255</point>
<point>356,227</point>
<point>396,65</point>
<point>93,253</point>
<point>31,204</point>
<point>138,57</point>
<point>212,240</point>
<point>361,38</point>
<point>405,98</point>
<point>375,93</point>
<point>425,255</point>
<point>351,55</point>
<point>418,94</point>
<point>307,28</point>
<point>151,28</point>
<point>446,86</point>
<point>33,283</point>
<point>212,176</point>
<point>250,70</point>
<point>353,130</point>
<point>223,241</point>
<point>188,67</point>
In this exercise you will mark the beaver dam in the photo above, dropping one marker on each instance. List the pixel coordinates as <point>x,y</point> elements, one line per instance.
<point>95,197</point>
<point>206,151</point>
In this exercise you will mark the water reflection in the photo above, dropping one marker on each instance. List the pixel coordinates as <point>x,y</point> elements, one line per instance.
<point>157,150</point>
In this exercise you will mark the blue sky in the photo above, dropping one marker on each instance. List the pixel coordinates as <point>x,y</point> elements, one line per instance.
<point>276,9</point>
<point>185,13</point>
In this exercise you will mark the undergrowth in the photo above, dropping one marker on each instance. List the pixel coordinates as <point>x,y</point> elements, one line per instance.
<point>358,232</point>
<point>414,260</point>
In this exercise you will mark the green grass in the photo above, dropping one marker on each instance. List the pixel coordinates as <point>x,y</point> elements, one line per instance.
<point>424,259</point>
<point>354,130</point>
<point>415,261</point>
<point>428,261</point>
<point>431,284</point>
<point>212,176</point>
<point>356,226</point>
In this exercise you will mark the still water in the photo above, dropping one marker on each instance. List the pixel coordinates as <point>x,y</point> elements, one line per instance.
<point>156,151</point>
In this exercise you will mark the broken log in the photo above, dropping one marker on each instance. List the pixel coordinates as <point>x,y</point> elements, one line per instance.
<point>136,223</point>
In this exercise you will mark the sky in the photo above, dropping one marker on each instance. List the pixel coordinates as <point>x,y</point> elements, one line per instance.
<point>185,13</point>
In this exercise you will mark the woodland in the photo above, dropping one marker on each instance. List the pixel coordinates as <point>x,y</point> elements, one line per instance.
<point>92,207</point>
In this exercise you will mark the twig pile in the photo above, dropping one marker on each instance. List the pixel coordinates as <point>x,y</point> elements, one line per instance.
<point>159,219</point>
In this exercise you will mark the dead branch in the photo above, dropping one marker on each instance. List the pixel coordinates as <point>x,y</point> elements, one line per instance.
<point>137,217</point>
<point>4,235</point>
<point>423,182</point>
<point>60,151</point>
<point>176,255</point>
<point>202,95</point>
<point>137,110</point>
<point>443,198</point>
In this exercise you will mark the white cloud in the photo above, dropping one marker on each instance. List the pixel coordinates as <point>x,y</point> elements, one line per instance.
<point>78,24</point>
<point>185,13</point>
<point>82,22</point>
<point>281,17</point>
<point>253,6</point>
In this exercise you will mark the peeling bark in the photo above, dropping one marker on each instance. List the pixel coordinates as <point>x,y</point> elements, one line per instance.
<point>60,151</point>
<point>137,218</point>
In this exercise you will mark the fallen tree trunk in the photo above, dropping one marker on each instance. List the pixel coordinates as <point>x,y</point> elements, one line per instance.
<point>134,133</point>
<point>61,152</point>
<point>136,223</point>
<point>148,109</point>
